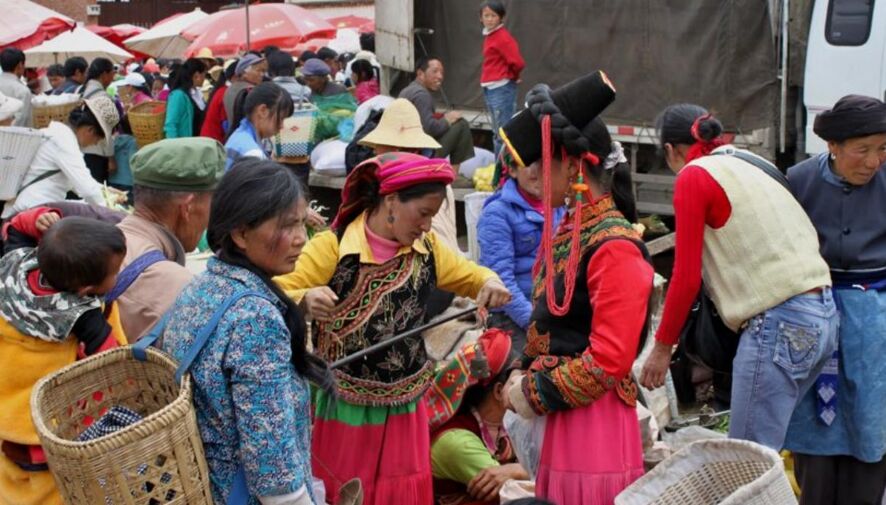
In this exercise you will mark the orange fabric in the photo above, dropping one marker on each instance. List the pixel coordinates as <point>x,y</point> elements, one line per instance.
<point>24,360</point>
<point>19,487</point>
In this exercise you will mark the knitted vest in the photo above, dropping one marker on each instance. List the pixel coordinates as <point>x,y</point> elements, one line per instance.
<point>766,253</point>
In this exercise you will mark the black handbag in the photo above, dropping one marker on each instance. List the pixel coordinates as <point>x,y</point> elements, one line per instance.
<point>705,338</point>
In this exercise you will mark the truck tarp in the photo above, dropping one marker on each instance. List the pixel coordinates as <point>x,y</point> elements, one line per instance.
<point>717,53</point>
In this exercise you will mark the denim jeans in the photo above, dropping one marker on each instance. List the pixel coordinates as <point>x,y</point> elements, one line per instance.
<point>500,102</point>
<point>780,354</point>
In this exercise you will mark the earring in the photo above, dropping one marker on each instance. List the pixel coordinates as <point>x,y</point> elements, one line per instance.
<point>390,217</point>
<point>833,157</point>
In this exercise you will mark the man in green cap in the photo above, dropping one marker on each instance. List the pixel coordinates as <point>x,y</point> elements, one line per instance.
<point>173,184</point>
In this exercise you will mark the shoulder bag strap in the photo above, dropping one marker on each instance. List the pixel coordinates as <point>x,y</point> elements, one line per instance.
<point>761,163</point>
<point>132,272</point>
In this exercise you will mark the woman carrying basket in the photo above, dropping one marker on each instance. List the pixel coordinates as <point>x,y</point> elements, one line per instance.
<point>58,166</point>
<point>590,298</point>
<point>251,379</point>
<point>362,282</point>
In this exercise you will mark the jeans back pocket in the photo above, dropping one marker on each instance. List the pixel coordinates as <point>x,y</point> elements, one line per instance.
<point>797,347</point>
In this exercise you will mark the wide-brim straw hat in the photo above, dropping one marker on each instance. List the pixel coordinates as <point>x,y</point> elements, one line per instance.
<point>105,111</point>
<point>400,126</point>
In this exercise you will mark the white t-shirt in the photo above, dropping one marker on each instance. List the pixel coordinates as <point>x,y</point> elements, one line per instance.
<point>59,152</point>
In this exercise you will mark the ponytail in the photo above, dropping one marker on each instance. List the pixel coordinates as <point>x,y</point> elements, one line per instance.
<point>269,94</point>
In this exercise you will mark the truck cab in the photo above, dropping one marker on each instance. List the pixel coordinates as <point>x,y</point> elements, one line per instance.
<point>846,54</point>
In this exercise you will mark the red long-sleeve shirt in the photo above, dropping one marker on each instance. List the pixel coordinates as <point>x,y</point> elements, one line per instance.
<point>501,57</point>
<point>699,201</point>
<point>213,123</point>
<point>619,283</point>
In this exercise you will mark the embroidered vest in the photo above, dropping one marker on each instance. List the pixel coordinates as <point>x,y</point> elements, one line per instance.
<point>378,302</point>
<point>553,340</point>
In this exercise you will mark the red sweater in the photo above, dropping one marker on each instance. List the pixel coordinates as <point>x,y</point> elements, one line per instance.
<point>215,116</point>
<point>699,201</point>
<point>501,57</point>
<point>616,274</point>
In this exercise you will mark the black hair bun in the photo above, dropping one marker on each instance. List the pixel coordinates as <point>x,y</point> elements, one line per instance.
<point>709,128</point>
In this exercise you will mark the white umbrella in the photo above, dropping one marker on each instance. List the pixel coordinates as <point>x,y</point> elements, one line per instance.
<point>77,42</point>
<point>164,40</point>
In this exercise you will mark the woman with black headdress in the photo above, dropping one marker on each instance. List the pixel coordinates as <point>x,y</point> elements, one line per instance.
<point>593,279</point>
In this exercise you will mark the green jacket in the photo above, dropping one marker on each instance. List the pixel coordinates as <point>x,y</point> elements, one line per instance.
<point>179,115</point>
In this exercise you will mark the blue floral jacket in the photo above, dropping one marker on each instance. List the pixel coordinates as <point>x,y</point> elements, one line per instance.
<point>253,408</point>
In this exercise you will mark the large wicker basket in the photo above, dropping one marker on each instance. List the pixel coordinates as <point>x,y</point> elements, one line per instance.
<point>18,146</point>
<point>146,120</point>
<point>42,115</point>
<point>156,460</point>
<point>709,472</point>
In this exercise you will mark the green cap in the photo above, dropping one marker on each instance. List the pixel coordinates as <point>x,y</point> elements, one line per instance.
<point>184,164</point>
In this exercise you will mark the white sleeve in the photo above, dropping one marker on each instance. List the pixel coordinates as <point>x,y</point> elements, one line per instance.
<point>300,497</point>
<point>69,160</point>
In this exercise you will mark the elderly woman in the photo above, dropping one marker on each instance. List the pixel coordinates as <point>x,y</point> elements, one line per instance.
<point>838,432</point>
<point>591,297</point>
<point>58,166</point>
<point>758,253</point>
<point>364,281</point>
<point>252,395</point>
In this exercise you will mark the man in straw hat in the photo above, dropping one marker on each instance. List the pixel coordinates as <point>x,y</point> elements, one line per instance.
<point>174,181</point>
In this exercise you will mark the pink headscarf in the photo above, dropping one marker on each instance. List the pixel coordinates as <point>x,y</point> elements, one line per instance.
<point>393,172</point>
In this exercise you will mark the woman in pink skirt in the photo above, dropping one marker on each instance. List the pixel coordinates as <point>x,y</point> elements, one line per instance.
<point>593,279</point>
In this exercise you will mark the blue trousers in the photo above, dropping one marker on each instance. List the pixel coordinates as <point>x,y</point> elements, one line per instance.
<point>500,102</point>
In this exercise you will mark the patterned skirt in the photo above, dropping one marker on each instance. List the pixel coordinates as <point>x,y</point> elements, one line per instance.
<point>591,454</point>
<point>387,448</point>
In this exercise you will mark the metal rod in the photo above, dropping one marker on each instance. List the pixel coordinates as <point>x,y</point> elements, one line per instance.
<point>397,338</point>
<point>247,26</point>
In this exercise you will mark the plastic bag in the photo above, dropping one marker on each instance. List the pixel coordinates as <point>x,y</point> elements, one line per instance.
<point>527,436</point>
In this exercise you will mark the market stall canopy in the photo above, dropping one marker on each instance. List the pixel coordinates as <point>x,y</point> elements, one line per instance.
<point>25,24</point>
<point>359,23</point>
<point>117,34</point>
<point>164,39</point>
<point>281,25</point>
<point>77,42</point>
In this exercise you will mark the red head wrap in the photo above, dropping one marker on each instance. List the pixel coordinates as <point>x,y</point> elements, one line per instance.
<point>393,172</point>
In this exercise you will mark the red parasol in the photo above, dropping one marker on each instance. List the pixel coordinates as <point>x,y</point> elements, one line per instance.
<point>117,34</point>
<point>282,25</point>
<point>25,24</point>
<point>359,23</point>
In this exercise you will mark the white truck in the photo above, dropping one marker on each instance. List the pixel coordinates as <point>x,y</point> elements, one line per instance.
<point>765,67</point>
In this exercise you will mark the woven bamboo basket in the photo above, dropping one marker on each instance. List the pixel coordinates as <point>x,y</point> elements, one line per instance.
<point>158,460</point>
<point>146,120</point>
<point>709,472</point>
<point>18,146</point>
<point>42,115</point>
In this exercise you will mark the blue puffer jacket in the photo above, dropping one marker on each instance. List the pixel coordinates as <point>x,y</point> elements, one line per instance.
<point>510,232</point>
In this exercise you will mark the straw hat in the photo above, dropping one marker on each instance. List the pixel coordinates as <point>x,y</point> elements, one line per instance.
<point>206,55</point>
<point>9,106</point>
<point>105,111</point>
<point>400,126</point>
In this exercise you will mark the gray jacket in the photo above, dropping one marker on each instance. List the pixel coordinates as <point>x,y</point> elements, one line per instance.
<point>424,103</point>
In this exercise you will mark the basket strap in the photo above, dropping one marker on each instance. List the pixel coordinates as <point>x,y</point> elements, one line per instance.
<point>239,494</point>
<point>35,180</point>
<point>140,347</point>
<point>207,330</point>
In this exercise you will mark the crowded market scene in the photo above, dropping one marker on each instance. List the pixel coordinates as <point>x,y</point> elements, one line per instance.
<point>437,252</point>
